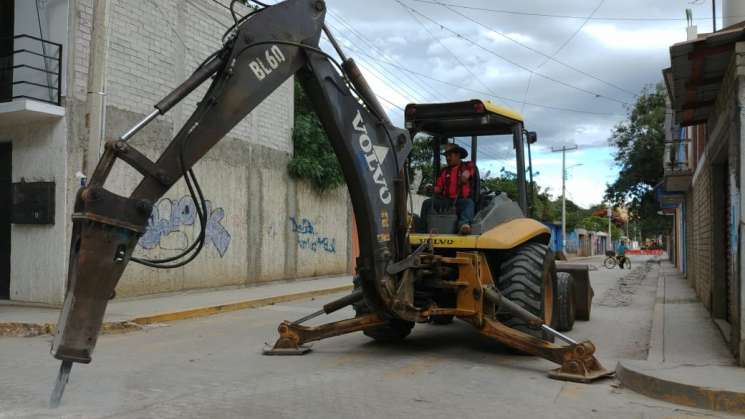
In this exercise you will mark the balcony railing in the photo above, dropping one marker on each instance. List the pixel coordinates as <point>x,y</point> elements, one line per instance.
<point>677,156</point>
<point>32,71</point>
<point>677,164</point>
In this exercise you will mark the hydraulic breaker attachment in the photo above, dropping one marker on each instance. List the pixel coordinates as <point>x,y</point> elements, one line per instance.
<point>577,360</point>
<point>292,337</point>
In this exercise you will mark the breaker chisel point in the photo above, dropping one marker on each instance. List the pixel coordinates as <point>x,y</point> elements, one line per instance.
<point>59,385</point>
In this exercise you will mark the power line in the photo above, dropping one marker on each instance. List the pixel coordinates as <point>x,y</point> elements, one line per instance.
<point>557,108</point>
<point>382,55</point>
<point>381,72</point>
<point>574,34</point>
<point>375,48</point>
<point>377,76</point>
<point>516,64</point>
<point>467,68</point>
<point>528,47</point>
<point>518,13</point>
<point>390,103</point>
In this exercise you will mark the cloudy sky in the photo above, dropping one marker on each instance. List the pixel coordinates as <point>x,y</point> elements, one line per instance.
<point>572,67</point>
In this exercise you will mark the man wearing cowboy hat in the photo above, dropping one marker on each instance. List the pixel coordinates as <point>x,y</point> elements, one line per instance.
<point>453,186</point>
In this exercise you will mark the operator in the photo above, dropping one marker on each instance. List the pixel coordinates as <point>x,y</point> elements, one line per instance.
<point>621,253</point>
<point>453,186</point>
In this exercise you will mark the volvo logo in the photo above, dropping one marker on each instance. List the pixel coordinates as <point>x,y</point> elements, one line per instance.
<point>374,155</point>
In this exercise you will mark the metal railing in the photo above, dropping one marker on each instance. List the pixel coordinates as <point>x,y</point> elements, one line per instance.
<point>35,70</point>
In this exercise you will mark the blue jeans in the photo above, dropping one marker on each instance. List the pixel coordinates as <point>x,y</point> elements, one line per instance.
<point>464,207</point>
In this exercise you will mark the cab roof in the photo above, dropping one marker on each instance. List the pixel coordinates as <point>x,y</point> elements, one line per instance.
<point>460,119</point>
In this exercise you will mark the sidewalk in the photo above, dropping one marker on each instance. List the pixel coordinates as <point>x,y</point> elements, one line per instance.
<point>688,361</point>
<point>19,319</point>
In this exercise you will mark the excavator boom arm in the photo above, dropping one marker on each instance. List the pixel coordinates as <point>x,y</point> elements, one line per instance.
<point>267,49</point>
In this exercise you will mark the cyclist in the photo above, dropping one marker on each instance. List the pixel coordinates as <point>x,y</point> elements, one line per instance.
<point>621,253</point>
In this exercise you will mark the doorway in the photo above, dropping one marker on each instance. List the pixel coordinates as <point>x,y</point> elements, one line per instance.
<point>5,202</point>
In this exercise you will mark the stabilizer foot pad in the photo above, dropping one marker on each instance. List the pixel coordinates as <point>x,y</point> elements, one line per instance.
<point>298,350</point>
<point>590,376</point>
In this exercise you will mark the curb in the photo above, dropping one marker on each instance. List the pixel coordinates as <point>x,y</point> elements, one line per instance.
<point>700,397</point>
<point>17,329</point>
<point>633,374</point>
<point>657,338</point>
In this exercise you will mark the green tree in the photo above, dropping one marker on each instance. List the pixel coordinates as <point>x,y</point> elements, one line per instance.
<point>313,157</point>
<point>639,144</point>
<point>506,182</point>
<point>420,161</point>
<point>595,223</point>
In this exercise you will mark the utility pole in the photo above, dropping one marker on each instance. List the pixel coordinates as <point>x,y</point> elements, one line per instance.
<point>563,151</point>
<point>714,15</point>
<point>610,237</point>
<point>96,98</point>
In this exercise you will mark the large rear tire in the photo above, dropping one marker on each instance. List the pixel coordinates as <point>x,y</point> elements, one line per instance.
<point>394,331</point>
<point>565,304</point>
<point>527,278</point>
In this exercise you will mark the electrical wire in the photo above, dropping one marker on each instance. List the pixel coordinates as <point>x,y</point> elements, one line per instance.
<point>556,108</point>
<point>379,75</point>
<point>529,48</point>
<point>381,55</point>
<point>515,63</point>
<point>442,44</point>
<point>518,13</point>
<point>574,34</point>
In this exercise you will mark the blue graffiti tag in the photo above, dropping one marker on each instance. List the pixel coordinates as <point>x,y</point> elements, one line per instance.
<point>308,238</point>
<point>175,215</point>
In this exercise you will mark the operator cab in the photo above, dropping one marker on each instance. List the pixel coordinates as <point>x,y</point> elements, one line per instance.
<point>477,120</point>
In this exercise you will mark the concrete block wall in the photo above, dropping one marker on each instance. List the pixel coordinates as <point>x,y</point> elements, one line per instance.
<point>689,237</point>
<point>715,211</point>
<point>701,231</point>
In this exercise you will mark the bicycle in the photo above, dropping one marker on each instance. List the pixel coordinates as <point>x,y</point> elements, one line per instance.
<point>613,259</point>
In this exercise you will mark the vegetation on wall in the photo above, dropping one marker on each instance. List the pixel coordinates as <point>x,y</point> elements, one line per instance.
<point>313,157</point>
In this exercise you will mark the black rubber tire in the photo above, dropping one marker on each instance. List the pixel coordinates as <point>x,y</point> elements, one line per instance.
<point>523,278</point>
<point>394,331</point>
<point>564,307</point>
<point>610,262</point>
<point>442,319</point>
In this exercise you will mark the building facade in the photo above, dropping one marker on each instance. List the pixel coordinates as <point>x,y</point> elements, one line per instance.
<point>262,225</point>
<point>703,172</point>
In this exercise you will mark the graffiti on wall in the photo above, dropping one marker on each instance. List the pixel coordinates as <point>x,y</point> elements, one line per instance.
<point>310,239</point>
<point>174,223</point>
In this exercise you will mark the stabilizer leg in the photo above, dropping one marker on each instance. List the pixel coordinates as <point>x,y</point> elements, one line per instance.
<point>577,361</point>
<point>292,336</point>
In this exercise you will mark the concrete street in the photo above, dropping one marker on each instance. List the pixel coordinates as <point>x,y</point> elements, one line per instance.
<point>212,367</point>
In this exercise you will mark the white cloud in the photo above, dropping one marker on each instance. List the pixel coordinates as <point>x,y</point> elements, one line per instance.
<point>637,39</point>
<point>519,37</point>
